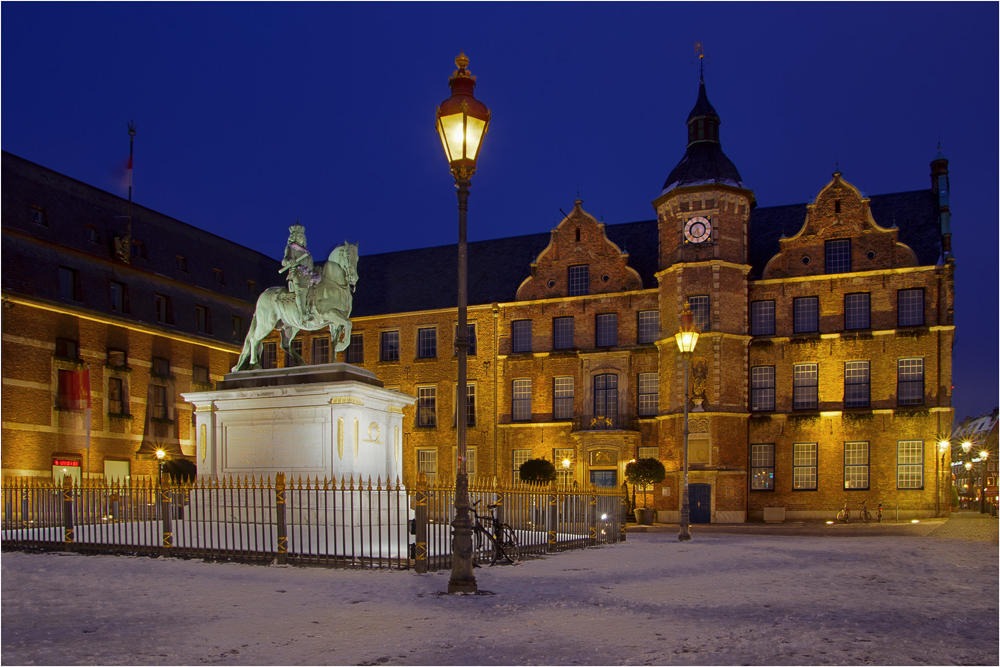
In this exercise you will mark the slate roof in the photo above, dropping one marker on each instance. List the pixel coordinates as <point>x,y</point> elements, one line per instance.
<point>397,282</point>
<point>703,163</point>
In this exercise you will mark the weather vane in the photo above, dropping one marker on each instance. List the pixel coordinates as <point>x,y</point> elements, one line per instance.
<point>699,50</point>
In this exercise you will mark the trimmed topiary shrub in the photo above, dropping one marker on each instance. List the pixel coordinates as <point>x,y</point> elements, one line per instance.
<point>644,473</point>
<point>537,471</point>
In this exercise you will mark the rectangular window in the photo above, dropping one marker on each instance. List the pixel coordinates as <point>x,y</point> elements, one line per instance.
<point>296,346</point>
<point>910,304</point>
<point>805,386</point>
<point>910,464</point>
<point>607,329</point>
<point>180,263</point>
<point>117,398</point>
<point>427,347</point>
<point>562,398</point>
<point>116,472</point>
<point>579,280</point>
<point>762,467</point>
<point>857,311</point>
<point>38,216</point>
<point>160,367</point>
<point>762,318</point>
<point>701,311</point>
<point>427,406</point>
<point>139,249</point>
<point>238,331</point>
<point>471,460</point>
<point>857,384</point>
<point>762,388</point>
<point>804,455</point>
<point>471,327</point>
<point>67,348</point>
<point>649,394</point>
<point>563,458</point>
<point>92,234</point>
<point>855,465</point>
<point>164,310</point>
<point>521,403</point>
<point>910,381</point>
<point>117,358</point>
<point>649,326</point>
<point>390,346</point>
<point>199,374</point>
<point>159,401</point>
<point>321,350</point>
<point>251,287</point>
<point>69,284</point>
<point>203,317</point>
<point>119,297</point>
<point>427,463</point>
<point>219,277</point>
<point>649,452</point>
<point>562,333</point>
<point>470,405</point>
<point>519,457</point>
<point>805,314</point>
<point>269,355</point>
<point>355,350</point>
<point>520,336</point>
<point>838,256</point>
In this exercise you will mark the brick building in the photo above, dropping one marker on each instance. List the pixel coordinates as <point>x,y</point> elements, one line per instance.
<point>168,320</point>
<point>822,375</point>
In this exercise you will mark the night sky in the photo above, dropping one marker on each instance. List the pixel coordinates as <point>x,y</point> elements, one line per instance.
<point>252,116</point>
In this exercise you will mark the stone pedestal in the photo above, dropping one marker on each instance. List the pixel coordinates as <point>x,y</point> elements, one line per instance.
<point>332,420</point>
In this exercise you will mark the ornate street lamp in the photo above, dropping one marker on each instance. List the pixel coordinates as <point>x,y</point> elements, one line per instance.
<point>687,340</point>
<point>983,455</point>
<point>462,122</point>
<point>161,455</point>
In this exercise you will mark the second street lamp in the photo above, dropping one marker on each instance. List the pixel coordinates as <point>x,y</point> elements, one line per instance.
<point>687,340</point>
<point>462,122</point>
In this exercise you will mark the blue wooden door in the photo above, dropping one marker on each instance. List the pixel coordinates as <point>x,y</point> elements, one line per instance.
<point>607,478</point>
<point>700,502</point>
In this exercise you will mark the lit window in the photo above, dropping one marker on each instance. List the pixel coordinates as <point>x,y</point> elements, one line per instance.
<point>471,328</point>
<point>426,343</point>
<point>838,256</point>
<point>649,394</point>
<point>427,463</point>
<point>701,312</point>
<point>427,406</point>
<point>390,346</point>
<point>321,350</point>
<point>910,381</point>
<point>521,403</point>
<point>563,458</point>
<point>355,350</point>
<point>470,406</point>
<point>607,329</point>
<point>762,318</point>
<point>805,386</point>
<point>857,384</point>
<point>910,304</point>
<point>520,336</point>
<point>519,457</point>
<point>805,314</point>
<point>804,459</point>
<point>269,355</point>
<point>579,280</point>
<point>762,467</point>
<point>855,465</point>
<point>649,452</point>
<point>857,311</point>
<point>562,398</point>
<point>562,333</point>
<point>762,388</point>
<point>649,326</point>
<point>910,464</point>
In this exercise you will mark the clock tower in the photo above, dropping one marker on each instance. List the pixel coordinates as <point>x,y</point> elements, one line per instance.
<point>703,215</point>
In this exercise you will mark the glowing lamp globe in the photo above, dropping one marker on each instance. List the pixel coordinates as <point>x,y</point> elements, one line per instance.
<point>462,122</point>
<point>687,336</point>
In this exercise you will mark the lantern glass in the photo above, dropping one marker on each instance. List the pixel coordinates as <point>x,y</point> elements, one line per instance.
<point>686,341</point>
<point>461,136</point>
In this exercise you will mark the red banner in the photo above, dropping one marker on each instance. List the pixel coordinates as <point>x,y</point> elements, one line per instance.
<point>74,389</point>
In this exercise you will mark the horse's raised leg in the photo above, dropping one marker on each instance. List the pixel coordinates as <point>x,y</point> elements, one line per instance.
<point>342,340</point>
<point>287,334</point>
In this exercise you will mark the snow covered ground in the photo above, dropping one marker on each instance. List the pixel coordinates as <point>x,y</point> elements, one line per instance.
<point>721,599</point>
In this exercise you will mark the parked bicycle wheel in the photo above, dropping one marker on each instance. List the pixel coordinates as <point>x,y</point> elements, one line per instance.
<point>509,545</point>
<point>866,516</point>
<point>484,549</point>
<point>843,516</point>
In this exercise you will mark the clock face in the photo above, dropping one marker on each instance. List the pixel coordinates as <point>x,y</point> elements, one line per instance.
<point>698,229</point>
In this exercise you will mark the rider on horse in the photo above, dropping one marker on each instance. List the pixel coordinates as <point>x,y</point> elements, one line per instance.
<point>301,275</point>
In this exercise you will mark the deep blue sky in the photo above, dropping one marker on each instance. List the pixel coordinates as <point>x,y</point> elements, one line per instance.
<point>251,116</point>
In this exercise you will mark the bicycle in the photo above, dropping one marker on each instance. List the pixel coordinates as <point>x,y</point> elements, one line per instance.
<point>492,539</point>
<point>844,515</point>
<point>878,513</point>
<point>864,514</point>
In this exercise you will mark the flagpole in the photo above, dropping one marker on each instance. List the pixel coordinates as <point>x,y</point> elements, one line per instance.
<point>125,251</point>
<point>86,379</point>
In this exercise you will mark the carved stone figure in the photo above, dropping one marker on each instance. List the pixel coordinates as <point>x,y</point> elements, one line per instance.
<point>313,300</point>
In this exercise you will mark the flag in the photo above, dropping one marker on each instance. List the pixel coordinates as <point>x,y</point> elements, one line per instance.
<point>128,172</point>
<point>74,389</point>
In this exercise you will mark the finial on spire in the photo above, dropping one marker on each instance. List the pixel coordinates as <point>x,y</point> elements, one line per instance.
<point>699,50</point>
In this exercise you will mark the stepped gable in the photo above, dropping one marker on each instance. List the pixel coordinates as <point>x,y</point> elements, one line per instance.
<point>579,239</point>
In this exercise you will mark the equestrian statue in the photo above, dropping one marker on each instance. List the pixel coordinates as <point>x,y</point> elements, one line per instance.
<point>314,298</point>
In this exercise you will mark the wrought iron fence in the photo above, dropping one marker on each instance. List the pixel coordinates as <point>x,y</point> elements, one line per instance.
<point>342,523</point>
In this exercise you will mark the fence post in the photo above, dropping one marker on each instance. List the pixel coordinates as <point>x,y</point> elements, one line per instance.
<point>279,507</point>
<point>553,515</point>
<point>168,531</point>
<point>592,515</point>
<point>67,494</point>
<point>24,503</point>
<point>420,523</point>
<point>623,515</point>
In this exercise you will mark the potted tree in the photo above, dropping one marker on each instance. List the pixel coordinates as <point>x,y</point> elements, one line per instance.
<point>644,473</point>
<point>537,471</point>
